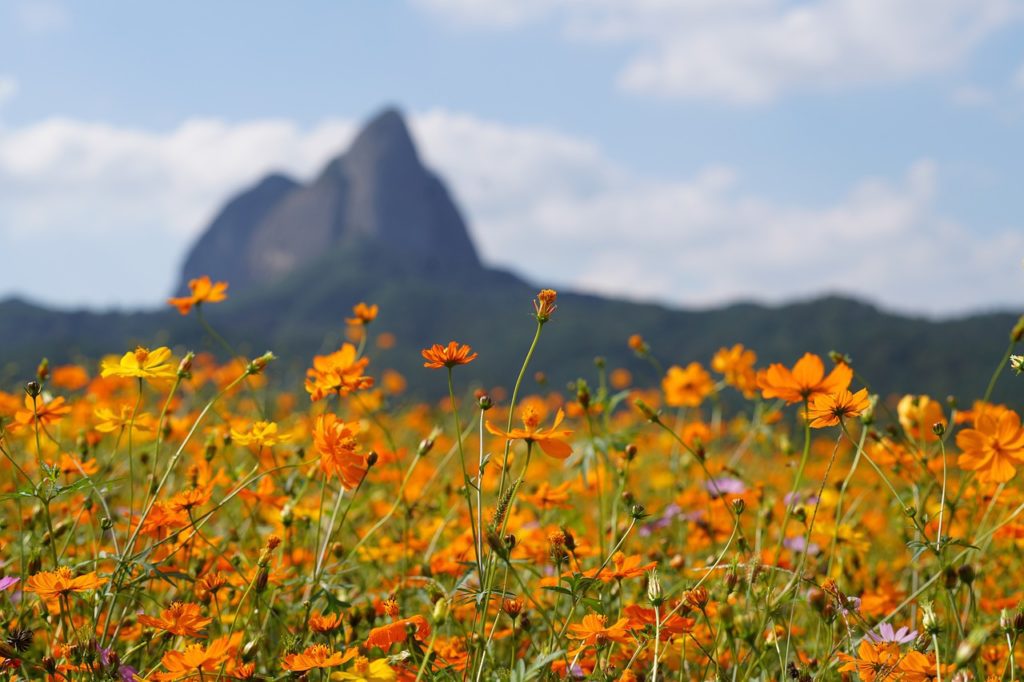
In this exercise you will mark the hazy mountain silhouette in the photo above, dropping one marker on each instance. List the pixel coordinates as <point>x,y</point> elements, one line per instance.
<point>376,225</point>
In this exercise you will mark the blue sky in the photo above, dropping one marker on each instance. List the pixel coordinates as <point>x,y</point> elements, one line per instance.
<point>689,151</point>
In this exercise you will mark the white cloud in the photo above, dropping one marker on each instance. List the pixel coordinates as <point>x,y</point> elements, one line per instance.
<point>87,201</point>
<point>750,51</point>
<point>499,14</point>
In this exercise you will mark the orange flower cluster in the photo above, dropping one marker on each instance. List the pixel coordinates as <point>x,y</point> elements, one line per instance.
<point>339,373</point>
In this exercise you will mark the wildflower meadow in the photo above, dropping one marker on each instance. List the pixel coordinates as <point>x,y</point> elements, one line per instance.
<point>173,516</point>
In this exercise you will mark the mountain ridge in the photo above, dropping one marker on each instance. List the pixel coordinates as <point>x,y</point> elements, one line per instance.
<point>376,225</point>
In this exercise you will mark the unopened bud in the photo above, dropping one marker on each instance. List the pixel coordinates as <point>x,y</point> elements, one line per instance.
<point>966,574</point>
<point>697,597</point>
<point>929,619</point>
<point>968,648</point>
<point>1017,333</point>
<point>583,394</point>
<point>654,591</point>
<point>33,389</point>
<point>258,364</point>
<point>1017,364</point>
<point>441,610</point>
<point>262,577</point>
<point>646,410</point>
<point>185,366</point>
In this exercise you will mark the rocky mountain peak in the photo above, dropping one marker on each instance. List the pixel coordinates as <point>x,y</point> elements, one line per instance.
<point>377,194</point>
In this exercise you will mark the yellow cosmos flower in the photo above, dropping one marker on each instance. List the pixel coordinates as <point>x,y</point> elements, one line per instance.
<point>142,363</point>
<point>262,435</point>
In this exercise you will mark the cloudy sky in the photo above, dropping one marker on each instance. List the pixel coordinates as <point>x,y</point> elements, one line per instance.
<point>687,151</point>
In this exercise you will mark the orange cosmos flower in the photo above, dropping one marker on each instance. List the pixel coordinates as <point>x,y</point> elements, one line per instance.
<point>873,662</point>
<point>737,365</point>
<point>70,465</point>
<point>830,409</point>
<point>336,442</point>
<point>40,411</point>
<point>551,440</point>
<point>364,314</point>
<point>327,622</point>
<point>594,630</point>
<point>438,356</point>
<point>187,500</point>
<point>547,497</point>
<point>71,377</point>
<point>50,585</point>
<point>992,447</point>
<point>317,656</point>
<point>386,635</point>
<point>110,421</point>
<point>687,387</point>
<point>671,624</point>
<point>180,618</point>
<point>142,363</point>
<point>918,415</point>
<point>341,372</point>
<point>203,291</point>
<point>194,659</point>
<point>806,380</point>
<point>918,667</point>
<point>622,567</point>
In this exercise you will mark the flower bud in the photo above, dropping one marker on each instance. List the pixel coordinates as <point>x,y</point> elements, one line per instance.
<point>654,591</point>
<point>262,577</point>
<point>647,411</point>
<point>33,389</point>
<point>258,364</point>
<point>968,648</point>
<point>929,619</point>
<point>185,366</point>
<point>441,610</point>
<point>840,358</point>
<point>512,607</point>
<point>697,597</point>
<point>966,574</point>
<point>583,394</point>
<point>1017,364</point>
<point>1017,333</point>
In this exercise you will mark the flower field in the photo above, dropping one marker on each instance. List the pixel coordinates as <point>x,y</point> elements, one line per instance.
<point>170,516</point>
